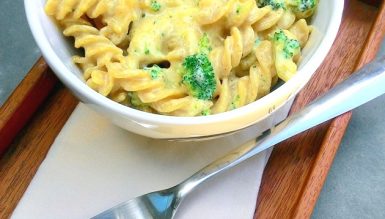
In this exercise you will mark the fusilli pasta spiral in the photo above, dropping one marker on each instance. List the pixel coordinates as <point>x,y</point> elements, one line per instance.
<point>116,15</point>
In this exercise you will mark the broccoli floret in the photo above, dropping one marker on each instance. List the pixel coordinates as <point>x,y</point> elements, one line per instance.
<point>286,47</point>
<point>279,36</point>
<point>146,51</point>
<point>304,5</point>
<point>204,44</point>
<point>136,103</point>
<point>155,6</point>
<point>303,8</point>
<point>290,47</point>
<point>135,100</point>
<point>199,77</point>
<point>206,112</point>
<point>154,70</point>
<point>275,4</point>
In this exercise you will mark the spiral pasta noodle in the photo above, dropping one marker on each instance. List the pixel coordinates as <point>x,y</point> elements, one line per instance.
<point>155,93</point>
<point>185,58</point>
<point>116,15</point>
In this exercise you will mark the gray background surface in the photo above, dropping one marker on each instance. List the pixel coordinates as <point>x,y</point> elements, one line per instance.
<point>18,50</point>
<point>355,187</point>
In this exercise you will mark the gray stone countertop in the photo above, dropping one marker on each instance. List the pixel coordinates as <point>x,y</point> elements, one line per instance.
<point>355,187</point>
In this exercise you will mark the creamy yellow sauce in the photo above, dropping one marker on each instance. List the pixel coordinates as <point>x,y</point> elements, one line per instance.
<point>185,58</point>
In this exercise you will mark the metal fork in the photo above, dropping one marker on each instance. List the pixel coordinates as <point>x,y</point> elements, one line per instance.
<point>365,85</point>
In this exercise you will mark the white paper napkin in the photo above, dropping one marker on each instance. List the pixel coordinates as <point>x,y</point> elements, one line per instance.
<point>94,165</point>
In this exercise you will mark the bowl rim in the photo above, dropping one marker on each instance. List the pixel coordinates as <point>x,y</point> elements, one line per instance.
<point>74,83</point>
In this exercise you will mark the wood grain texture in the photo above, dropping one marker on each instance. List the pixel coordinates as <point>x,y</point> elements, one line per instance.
<point>298,167</point>
<point>24,101</point>
<point>20,163</point>
<point>373,2</point>
<point>376,36</point>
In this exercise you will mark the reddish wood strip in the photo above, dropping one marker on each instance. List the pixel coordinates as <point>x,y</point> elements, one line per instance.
<point>373,2</point>
<point>20,163</point>
<point>375,37</point>
<point>298,167</point>
<point>337,128</point>
<point>24,101</point>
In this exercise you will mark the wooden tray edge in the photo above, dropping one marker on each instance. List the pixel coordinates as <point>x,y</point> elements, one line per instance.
<point>337,128</point>
<point>20,107</point>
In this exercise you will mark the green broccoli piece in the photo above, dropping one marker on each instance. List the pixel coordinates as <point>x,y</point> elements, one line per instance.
<point>146,51</point>
<point>154,70</point>
<point>290,47</point>
<point>204,44</point>
<point>275,4</point>
<point>304,5</point>
<point>136,103</point>
<point>279,36</point>
<point>303,8</point>
<point>199,77</point>
<point>135,100</point>
<point>286,46</point>
<point>155,6</point>
<point>206,112</point>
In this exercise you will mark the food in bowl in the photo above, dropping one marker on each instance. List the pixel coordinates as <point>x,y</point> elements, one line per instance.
<point>185,58</point>
<point>257,116</point>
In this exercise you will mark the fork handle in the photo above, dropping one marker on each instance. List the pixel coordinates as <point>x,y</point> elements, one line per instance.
<point>363,86</point>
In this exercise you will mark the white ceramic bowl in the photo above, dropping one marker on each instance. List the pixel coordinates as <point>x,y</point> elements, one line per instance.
<point>259,115</point>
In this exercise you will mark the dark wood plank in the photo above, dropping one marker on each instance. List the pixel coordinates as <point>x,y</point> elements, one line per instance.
<point>298,167</point>
<point>21,161</point>
<point>24,101</point>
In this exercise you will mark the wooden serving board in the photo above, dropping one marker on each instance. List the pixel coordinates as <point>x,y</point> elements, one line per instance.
<point>33,116</point>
